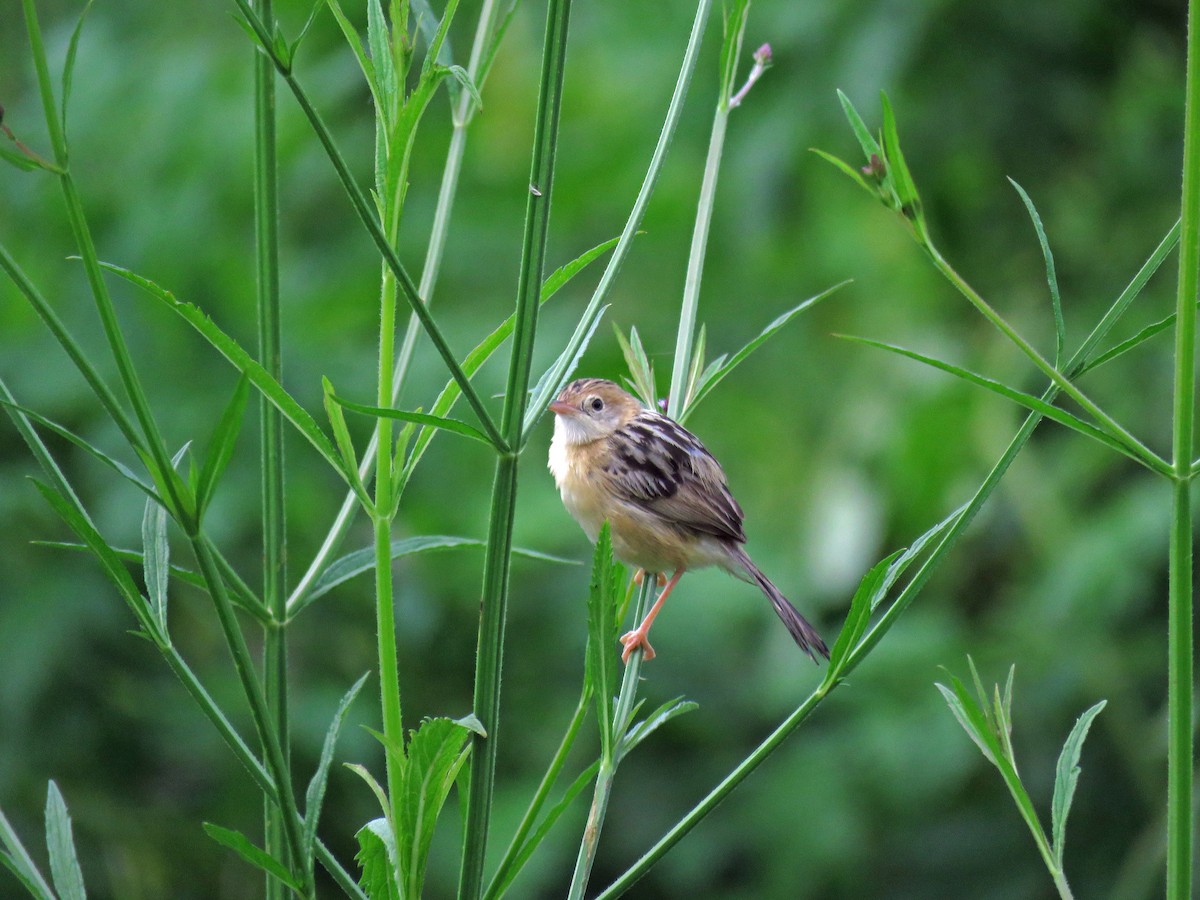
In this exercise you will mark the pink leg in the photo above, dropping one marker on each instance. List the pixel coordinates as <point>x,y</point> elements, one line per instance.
<point>638,637</point>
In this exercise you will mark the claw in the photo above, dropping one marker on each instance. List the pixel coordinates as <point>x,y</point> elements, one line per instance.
<point>632,641</point>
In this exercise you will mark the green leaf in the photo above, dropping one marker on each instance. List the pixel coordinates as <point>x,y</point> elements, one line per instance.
<point>119,467</point>
<point>435,421</point>
<point>461,78</point>
<point>736,14</point>
<point>312,15</point>
<point>971,717</point>
<point>221,444</point>
<point>366,776</point>
<point>870,147</point>
<point>655,721</point>
<point>379,41</point>
<point>641,371</point>
<point>434,57</point>
<point>20,160</point>
<point>858,617</point>
<point>1060,327</point>
<point>1125,346</point>
<point>64,865</point>
<point>710,380</point>
<point>1036,404</point>
<point>69,65</point>
<point>243,362</point>
<point>109,561</point>
<point>1067,776</point>
<point>697,367</point>
<point>156,560</point>
<point>600,670</point>
<point>315,795</point>
<point>341,435</point>
<point>500,888</point>
<point>427,27</point>
<point>18,861</point>
<point>848,170</point>
<point>360,561</point>
<point>377,859</point>
<point>356,44</point>
<point>561,276</point>
<point>906,188</point>
<point>256,856</point>
<point>435,753</point>
<point>896,569</point>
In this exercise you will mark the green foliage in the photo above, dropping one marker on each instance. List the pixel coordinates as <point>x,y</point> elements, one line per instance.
<point>989,725</point>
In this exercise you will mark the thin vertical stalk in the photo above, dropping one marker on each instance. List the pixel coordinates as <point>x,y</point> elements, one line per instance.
<point>429,275</point>
<point>274,589</point>
<point>1179,623</point>
<point>622,713</point>
<point>490,652</point>
<point>385,610</point>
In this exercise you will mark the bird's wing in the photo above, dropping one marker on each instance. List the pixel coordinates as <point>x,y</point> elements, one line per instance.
<point>663,468</point>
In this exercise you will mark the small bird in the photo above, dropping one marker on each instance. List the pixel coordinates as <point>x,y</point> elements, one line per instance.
<point>663,494</point>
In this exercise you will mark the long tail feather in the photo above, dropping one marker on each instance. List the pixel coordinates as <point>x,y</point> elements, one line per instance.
<point>798,627</point>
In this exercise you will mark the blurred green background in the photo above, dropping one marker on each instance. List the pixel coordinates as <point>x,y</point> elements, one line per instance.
<point>839,454</point>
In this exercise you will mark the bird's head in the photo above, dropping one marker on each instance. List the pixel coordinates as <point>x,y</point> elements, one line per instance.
<point>590,409</point>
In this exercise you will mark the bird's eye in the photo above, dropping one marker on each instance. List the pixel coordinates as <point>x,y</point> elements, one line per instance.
<point>595,404</point>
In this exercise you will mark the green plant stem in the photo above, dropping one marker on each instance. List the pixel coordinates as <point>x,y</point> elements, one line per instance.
<point>1086,351</point>
<point>429,275</point>
<point>1179,620</point>
<point>622,714</point>
<point>274,587</point>
<point>686,333</point>
<point>539,797</point>
<point>493,608</point>
<point>260,712</point>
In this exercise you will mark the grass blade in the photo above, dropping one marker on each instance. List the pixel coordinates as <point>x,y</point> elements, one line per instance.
<point>21,864</point>
<point>221,444</point>
<point>156,560</point>
<point>1029,401</point>
<point>315,795</point>
<point>419,418</point>
<point>600,670</point>
<point>1060,328</point>
<point>717,376</point>
<point>256,856</point>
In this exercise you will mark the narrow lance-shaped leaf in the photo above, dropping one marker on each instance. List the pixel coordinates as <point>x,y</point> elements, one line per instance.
<point>64,864</point>
<point>243,362</point>
<point>221,444</point>
<point>1125,346</point>
<point>156,560</point>
<point>1029,401</point>
<point>256,856</point>
<point>902,180</point>
<point>116,465</point>
<point>442,422</point>
<point>710,380</point>
<point>641,370</point>
<point>1067,776</point>
<point>18,861</point>
<point>315,795</point>
<point>660,717</point>
<point>858,617</point>
<point>109,561</point>
<point>1060,328</point>
<point>341,436</point>
<point>68,76</point>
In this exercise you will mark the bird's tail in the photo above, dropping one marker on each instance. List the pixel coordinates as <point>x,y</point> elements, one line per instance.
<point>798,627</point>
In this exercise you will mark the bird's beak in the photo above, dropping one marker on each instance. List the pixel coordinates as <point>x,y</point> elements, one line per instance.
<point>562,408</point>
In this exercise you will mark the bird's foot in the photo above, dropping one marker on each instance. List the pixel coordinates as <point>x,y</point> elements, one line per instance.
<point>632,641</point>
